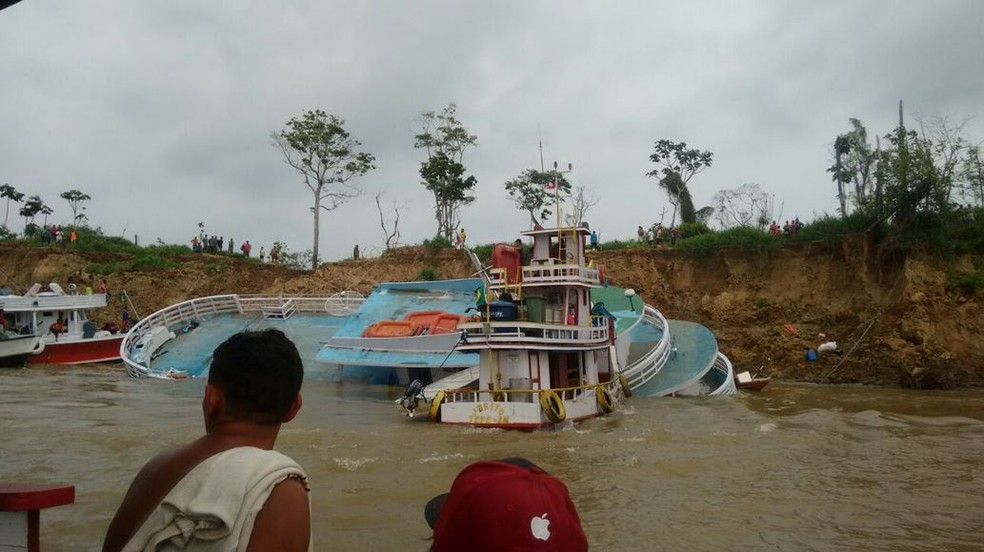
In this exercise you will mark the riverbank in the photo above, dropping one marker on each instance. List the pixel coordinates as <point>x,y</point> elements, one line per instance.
<point>896,316</point>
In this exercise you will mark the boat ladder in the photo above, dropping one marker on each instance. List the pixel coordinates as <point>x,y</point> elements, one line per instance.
<point>483,271</point>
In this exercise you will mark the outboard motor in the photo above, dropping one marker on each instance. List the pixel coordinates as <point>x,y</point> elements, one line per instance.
<point>413,395</point>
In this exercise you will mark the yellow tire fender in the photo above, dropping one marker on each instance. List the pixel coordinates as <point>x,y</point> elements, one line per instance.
<point>553,407</point>
<point>435,408</point>
<point>605,402</point>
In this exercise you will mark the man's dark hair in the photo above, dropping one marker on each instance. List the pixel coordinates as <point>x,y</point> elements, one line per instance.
<point>259,373</point>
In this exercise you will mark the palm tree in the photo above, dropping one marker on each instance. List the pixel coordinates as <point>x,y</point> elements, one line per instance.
<point>9,192</point>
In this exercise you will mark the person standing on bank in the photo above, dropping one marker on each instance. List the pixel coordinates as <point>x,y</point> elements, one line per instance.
<point>228,490</point>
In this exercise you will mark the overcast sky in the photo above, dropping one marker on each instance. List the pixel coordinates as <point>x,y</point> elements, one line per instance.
<point>161,110</point>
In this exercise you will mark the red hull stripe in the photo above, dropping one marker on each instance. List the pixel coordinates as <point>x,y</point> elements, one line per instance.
<point>79,351</point>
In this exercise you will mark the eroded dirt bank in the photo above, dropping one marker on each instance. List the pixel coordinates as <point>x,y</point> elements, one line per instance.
<point>920,331</point>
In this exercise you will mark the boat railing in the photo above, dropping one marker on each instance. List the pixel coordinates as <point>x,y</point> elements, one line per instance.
<point>544,272</point>
<point>649,364</point>
<point>723,364</point>
<point>204,307</point>
<point>53,302</point>
<point>477,395</point>
<point>490,333</point>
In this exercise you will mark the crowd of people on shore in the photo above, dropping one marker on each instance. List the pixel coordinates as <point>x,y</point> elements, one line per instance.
<point>657,235</point>
<point>789,228</point>
<point>217,244</point>
<point>55,234</point>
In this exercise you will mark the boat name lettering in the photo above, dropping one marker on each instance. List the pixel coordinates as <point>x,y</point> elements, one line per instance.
<point>488,413</point>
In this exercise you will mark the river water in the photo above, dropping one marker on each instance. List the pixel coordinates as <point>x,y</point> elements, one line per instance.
<point>794,467</point>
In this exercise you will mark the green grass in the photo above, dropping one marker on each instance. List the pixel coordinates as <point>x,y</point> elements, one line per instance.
<point>704,245</point>
<point>970,283</point>
<point>428,275</point>
<point>831,228</point>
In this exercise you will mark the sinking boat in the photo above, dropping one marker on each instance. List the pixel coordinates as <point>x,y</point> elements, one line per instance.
<point>518,330</point>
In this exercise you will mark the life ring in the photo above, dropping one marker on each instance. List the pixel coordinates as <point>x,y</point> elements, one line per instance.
<point>435,407</point>
<point>624,382</point>
<point>38,347</point>
<point>604,397</point>
<point>552,406</point>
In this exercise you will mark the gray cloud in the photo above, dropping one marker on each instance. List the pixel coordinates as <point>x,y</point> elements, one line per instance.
<point>162,111</point>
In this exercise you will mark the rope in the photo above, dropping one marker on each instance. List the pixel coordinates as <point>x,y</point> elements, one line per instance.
<point>865,332</point>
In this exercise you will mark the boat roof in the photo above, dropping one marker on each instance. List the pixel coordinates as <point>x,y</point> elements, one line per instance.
<point>583,230</point>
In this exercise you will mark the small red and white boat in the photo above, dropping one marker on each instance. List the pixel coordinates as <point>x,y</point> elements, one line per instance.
<point>62,320</point>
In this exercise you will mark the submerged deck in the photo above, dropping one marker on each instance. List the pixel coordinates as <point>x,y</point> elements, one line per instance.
<point>696,351</point>
<point>191,352</point>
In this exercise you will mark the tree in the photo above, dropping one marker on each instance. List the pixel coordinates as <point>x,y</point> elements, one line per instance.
<point>676,165</point>
<point>392,238</point>
<point>680,198</point>
<point>75,200</point>
<point>841,147</point>
<point>854,162</point>
<point>704,214</point>
<point>582,200</point>
<point>533,191</point>
<point>10,193</point>
<point>33,207</point>
<point>317,146</point>
<point>973,176</point>
<point>446,180</point>
<point>947,148</point>
<point>445,140</point>
<point>742,206</point>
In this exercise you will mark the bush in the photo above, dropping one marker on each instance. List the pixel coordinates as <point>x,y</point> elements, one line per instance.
<point>428,275</point>
<point>484,253</point>
<point>691,229</point>
<point>744,237</point>
<point>833,228</point>
<point>169,250</point>
<point>971,283</point>
<point>438,242</point>
<point>621,244</point>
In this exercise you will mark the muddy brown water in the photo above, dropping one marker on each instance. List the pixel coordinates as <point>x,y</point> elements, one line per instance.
<point>794,467</point>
